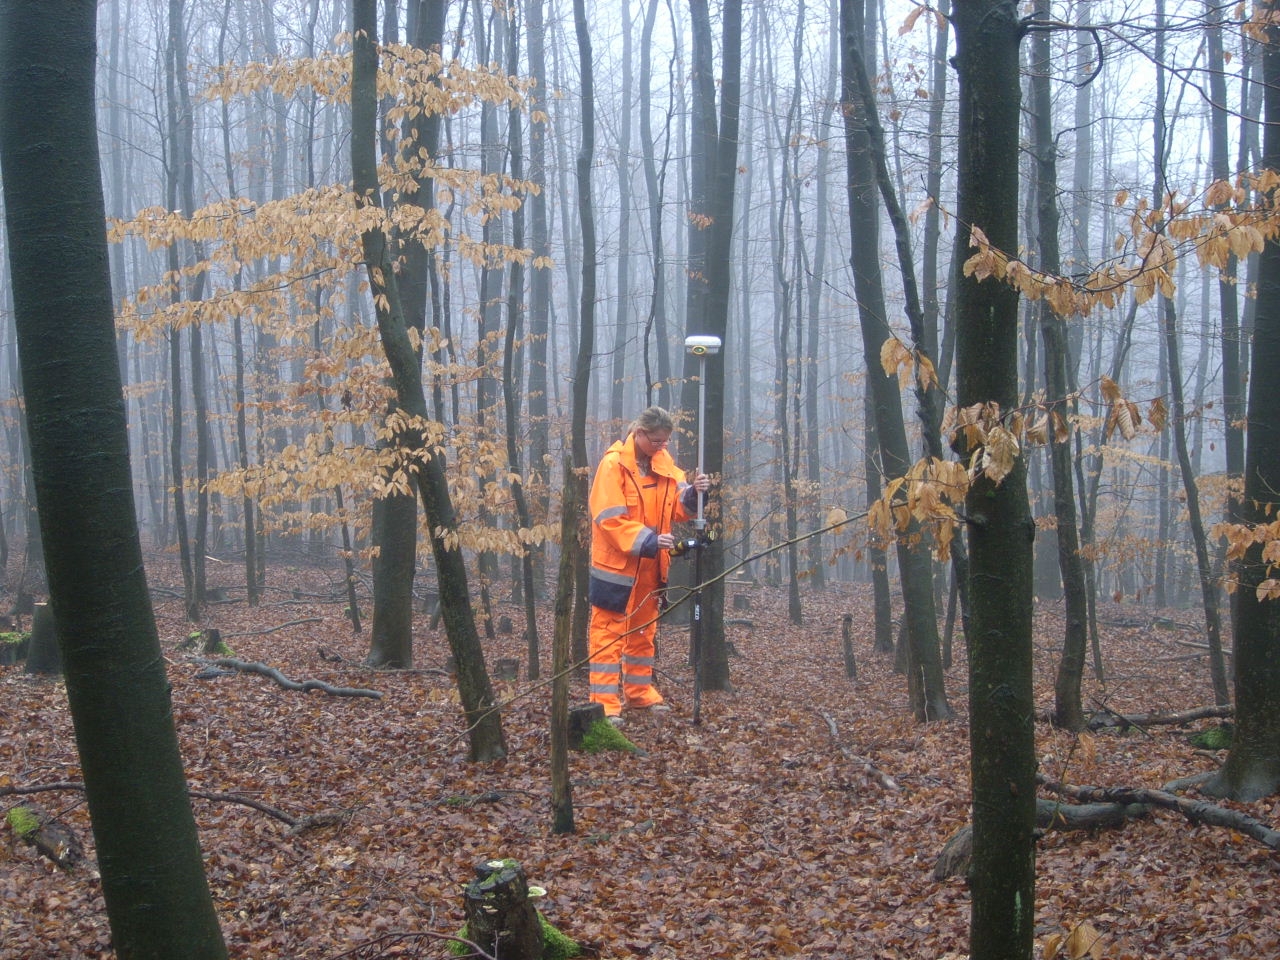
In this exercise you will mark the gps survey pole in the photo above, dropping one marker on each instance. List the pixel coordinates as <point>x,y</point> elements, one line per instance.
<point>700,347</point>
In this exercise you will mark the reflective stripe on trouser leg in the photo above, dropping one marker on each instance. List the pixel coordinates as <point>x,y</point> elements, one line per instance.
<point>604,653</point>
<point>637,670</point>
<point>638,648</point>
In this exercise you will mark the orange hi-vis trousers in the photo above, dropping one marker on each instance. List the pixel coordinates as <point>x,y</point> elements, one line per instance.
<point>621,648</point>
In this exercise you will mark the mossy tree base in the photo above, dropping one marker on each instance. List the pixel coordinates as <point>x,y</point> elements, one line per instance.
<point>501,918</point>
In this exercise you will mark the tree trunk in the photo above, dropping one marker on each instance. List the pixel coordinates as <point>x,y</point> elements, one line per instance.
<point>1068,712</point>
<point>483,718</point>
<point>1178,424</point>
<point>925,678</point>
<point>43,653</point>
<point>538,465</point>
<point>562,820</point>
<point>708,297</point>
<point>1002,709</point>
<point>877,555</point>
<point>817,281</point>
<point>1252,770</point>
<point>395,532</point>
<point>655,335</point>
<point>148,853</point>
<point>511,380</point>
<point>586,316</point>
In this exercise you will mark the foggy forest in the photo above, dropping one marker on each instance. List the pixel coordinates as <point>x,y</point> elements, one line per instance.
<point>971,310</point>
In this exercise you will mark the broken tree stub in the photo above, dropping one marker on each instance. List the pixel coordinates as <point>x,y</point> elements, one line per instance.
<point>501,918</point>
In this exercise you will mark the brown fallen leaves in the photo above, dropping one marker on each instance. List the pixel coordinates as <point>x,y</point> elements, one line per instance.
<point>754,835</point>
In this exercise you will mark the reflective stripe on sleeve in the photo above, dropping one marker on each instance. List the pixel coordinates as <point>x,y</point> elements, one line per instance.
<point>608,512</point>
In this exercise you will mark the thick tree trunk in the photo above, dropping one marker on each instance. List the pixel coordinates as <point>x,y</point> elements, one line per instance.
<point>395,531</point>
<point>148,853</point>
<point>1002,709</point>
<point>44,656</point>
<point>715,152</point>
<point>1252,769</point>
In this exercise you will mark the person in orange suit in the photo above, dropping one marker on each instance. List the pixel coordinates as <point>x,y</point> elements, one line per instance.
<point>637,494</point>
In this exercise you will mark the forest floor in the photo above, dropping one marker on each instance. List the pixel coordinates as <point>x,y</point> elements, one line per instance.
<point>758,833</point>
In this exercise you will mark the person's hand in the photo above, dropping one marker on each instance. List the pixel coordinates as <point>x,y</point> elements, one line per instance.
<point>701,482</point>
<point>666,541</point>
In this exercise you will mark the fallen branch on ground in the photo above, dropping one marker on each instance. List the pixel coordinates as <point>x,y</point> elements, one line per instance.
<point>306,686</point>
<point>1109,807</point>
<point>868,767</point>
<point>296,824</point>
<point>957,853</point>
<point>1140,720</point>
<point>259,633</point>
<point>1197,811</point>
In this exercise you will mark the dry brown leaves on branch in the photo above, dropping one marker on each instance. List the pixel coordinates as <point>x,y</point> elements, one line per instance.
<point>766,832</point>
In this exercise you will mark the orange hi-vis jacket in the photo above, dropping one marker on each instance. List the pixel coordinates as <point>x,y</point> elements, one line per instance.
<point>628,571</point>
<point>628,511</point>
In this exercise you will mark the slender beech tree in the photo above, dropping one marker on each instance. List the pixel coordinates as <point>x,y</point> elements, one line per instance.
<point>998,515</point>
<point>538,464</point>
<point>586,320</point>
<point>562,820</point>
<point>925,678</point>
<point>657,384</point>
<point>1169,325</point>
<point>182,161</point>
<point>511,379</point>
<point>1067,711</point>
<point>623,327</point>
<point>178,130</point>
<point>1229,304</point>
<point>424,453</point>
<point>817,282</point>
<point>153,881</point>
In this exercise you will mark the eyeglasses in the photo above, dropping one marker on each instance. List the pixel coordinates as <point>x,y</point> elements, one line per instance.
<point>657,443</point>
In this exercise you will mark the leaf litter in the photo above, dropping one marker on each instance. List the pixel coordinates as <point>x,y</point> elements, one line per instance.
<point>757,834</point>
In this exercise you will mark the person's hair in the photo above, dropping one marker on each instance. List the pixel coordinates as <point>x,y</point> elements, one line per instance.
<point>653,418</point>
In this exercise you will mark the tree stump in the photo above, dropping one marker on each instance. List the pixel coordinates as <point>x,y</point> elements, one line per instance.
<point>213,645</point>
<point>43,656</point>
<point>501,919</point>
<point>13,647</point>
<point>581,718</point>
<point>846,639</point>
